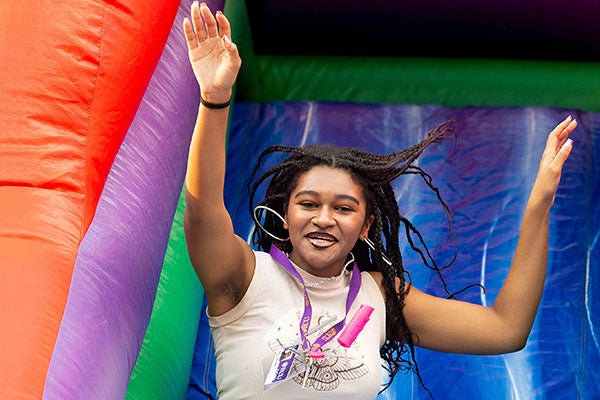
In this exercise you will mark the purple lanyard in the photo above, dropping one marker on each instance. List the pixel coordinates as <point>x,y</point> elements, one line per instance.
<point>326,336</point>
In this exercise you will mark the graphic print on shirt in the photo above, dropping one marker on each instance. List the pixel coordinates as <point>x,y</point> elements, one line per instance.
<point>324,374</point>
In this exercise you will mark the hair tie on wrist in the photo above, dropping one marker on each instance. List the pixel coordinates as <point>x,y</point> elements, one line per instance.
<point>214,106</point>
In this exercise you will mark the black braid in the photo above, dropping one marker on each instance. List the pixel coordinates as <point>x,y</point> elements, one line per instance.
<point>374,173</point>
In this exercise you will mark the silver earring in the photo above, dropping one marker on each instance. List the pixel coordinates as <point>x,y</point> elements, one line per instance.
<point>257,221</point>
<point>350,261</point>
<point>370,243</point>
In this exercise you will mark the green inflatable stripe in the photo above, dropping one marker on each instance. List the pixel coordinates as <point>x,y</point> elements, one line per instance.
<point>163,366</point>
<point>448,82</point>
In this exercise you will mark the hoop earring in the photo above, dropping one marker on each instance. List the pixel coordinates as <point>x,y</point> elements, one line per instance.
<point>257,221</point>
<point>350,261</point>
<point>371,245</point>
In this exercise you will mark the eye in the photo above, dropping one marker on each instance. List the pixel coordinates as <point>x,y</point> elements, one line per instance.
<point>308,204</point>
<point>345,209</point>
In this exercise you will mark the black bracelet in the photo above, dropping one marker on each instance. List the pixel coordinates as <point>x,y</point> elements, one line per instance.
<point>214,106</point>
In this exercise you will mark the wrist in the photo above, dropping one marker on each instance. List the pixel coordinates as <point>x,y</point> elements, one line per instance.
<point>214,106</point>
<point>216,97</point>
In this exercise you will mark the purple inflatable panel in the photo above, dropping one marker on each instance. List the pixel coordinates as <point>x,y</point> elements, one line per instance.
<point>120,259</point>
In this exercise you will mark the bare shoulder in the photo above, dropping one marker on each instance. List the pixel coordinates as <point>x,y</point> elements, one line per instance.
<point>378,277</point>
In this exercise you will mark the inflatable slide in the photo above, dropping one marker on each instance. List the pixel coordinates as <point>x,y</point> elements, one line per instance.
<point>97,297</point>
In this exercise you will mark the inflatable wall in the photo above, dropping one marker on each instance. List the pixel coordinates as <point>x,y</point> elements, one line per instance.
<point>97,297</point>
<point>484,173</point>
<point>98,105</point>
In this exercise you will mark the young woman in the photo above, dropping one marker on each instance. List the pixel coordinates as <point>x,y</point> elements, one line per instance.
<point>283,318</point>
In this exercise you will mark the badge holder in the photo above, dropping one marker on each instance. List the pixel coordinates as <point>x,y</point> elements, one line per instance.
<point>283,363</point>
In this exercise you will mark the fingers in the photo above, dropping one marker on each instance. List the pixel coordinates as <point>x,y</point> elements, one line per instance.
<point>564,152</point>
<point>209,21</point>
<point>190,36</point>
<point>558,137</point>
<point>194,30</point>
<point>565,128</point>
<point>204,25</point>
<point>559,145</point>
<point>199,28</point>
<point>224,26</point>
<point>232,51</point>
<point>562,130</point>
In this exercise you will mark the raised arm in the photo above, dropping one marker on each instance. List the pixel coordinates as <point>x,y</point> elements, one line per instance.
<point>224,262</point>
<point>459,327</point>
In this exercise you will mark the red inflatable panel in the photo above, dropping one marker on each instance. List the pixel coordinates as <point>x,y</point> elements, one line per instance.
<point>73,74</point>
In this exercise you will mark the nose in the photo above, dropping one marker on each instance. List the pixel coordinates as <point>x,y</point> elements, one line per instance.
<point>323,218</point>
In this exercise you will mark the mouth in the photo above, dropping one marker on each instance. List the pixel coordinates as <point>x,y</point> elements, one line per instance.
<point>321,240</point>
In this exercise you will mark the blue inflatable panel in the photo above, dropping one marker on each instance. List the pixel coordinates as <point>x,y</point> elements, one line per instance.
<point>484,173</point>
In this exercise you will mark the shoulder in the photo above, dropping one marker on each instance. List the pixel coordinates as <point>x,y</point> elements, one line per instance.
<point>373,279</point>
<point>237,290</point>
<point>264,265</point>
<point>376,298</point>
<point>372,284</point>
<point>378,279</point>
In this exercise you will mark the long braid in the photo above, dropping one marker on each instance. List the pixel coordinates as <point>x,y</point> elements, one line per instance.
<point>374,173</point>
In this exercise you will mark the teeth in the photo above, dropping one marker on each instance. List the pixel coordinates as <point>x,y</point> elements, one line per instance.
<point>323,238</point>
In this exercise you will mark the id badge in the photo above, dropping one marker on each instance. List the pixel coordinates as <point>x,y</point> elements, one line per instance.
<point>281,366</point>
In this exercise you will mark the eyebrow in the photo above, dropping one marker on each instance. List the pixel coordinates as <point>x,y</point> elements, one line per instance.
<point>338,196</point>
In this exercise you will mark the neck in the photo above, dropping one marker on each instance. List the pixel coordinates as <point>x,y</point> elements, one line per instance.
<point>332,271</point>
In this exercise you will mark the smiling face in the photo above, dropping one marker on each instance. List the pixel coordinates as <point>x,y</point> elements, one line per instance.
<point>325,217</point>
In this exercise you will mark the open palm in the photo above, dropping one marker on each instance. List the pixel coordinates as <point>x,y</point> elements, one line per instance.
<point>214,58</point>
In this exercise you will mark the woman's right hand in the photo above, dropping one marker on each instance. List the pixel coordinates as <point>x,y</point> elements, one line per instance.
<point>213,56</point>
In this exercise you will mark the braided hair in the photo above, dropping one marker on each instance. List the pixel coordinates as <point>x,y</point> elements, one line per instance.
<point>374,173</point>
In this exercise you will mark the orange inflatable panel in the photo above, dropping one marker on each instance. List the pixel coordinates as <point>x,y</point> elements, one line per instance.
<point>73,74</point>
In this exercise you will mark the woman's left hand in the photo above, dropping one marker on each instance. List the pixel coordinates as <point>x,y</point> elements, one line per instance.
<point>558,148</point>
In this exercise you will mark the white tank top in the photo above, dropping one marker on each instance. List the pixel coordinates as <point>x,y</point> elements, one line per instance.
<point>248,337</point>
